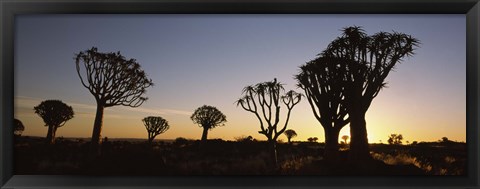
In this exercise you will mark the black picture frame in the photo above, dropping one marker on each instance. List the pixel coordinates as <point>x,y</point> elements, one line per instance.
<point>10,8</point>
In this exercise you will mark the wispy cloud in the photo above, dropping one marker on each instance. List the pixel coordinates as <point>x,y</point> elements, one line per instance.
<point>157,111</point>
<point>24,103</point>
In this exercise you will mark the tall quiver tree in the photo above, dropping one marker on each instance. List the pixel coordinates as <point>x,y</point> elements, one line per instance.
<point>155,126</point>
<point>264,101</point>
<point>112,80</point>
<point>366,62</point>
<point>208,117</point>
<point>18,127</point>
<point>322,81</point>
<point>55,114</point>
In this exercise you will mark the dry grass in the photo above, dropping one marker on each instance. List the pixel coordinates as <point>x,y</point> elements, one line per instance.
<point>294,164</point>
<point>448,165</point>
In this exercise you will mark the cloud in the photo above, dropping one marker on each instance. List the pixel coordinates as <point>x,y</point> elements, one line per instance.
<point>157,111</point>
<point>24,104</point>
<point>82,106</point>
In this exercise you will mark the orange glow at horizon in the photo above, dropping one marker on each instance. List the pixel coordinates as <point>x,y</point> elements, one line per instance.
<point>122,122</point>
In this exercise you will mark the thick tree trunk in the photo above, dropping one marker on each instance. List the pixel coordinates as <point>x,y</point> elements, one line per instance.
<point>331,144</point>
<point>54,134</point>
<point>150,138</point>
<point>273,154</point>
<point>289,142</point>
<point>359,150</point>
<point>204,134</point>
<point>51,135</point>
<point>97,127</point>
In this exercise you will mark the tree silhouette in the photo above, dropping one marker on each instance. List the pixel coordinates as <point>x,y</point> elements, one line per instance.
<point>366,62</point>
<point>180,141</point>
<point>55,114</point>
<point>345,138</point>
<point>322,79</point>
<point>155,126</point>
<point>18,127</point>
<point>244,139</point>
<point>208,117</point>
<point>112,80</point>
<point>263,100</point>
<point>312,139</point>
<point>290,133</point>
<point>395,139</point>
<point>445,139</point>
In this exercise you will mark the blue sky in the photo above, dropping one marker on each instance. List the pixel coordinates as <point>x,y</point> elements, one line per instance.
<point>207,59</point>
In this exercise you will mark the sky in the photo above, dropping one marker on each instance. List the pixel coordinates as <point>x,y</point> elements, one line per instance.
<point>196,60</point>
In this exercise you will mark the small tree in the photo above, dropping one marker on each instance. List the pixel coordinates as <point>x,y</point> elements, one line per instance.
<point>290,133</point>
<point>55,114</point>
<point>312,139</point>
<point>263,100</point>
<point>18,127</point>
<point>155,126</point>
<point>112,80</point>
<point>244,138</point>
<point>180,141</point>
<point>395,139</point>
<point>208,117</point>
<point>345,138</point>
<point>445,139</point>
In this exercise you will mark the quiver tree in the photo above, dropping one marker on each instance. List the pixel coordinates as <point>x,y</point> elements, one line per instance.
<point>155,126</point>
<point>112,80</point>
<point>208,117</point>
<point>366,62</point>
<point>55,114</point>
<point>395,139</point>
<point>18,127</point>
<point>264,101</point>
<point>312,139</point>
<point>322,80</point>
<point>290,133</point>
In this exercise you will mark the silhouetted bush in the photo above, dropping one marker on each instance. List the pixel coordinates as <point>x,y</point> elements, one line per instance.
<point>180,141</point>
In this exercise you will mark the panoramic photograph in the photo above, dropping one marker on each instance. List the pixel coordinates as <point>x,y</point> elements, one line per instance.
<point>188,95</point>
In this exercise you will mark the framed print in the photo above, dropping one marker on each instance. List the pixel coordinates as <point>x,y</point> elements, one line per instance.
<point>295,94</point>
